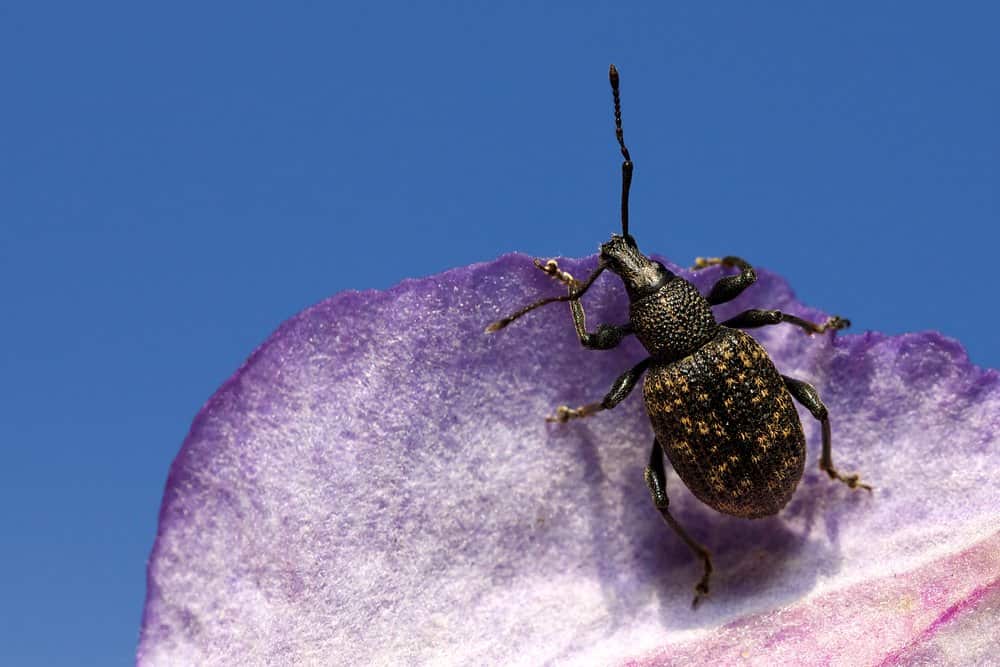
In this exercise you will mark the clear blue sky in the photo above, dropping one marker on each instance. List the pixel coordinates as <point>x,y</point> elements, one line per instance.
<point>177,180</point>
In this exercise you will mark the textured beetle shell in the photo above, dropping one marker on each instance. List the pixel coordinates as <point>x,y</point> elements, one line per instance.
<point>727,423</point>
<point>674,321</point>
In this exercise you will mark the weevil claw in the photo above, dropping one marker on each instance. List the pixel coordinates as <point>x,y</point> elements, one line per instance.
<point>836,323</point>
<point>705,262</point>
<point>551,267</point>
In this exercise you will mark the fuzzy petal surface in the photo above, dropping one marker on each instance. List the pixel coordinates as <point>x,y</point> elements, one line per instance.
<point>377,485</point>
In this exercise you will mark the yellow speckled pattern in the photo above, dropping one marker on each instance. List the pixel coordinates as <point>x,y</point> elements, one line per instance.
<point>728,425</point>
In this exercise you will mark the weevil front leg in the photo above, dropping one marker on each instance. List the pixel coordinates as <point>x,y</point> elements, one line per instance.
<point>607,336</point>
<point>753,318</point>
<point>730,287</point>
<point>807,395</point>
<point>576,291</point>
<point>621,388</point>
<point>656,481</point>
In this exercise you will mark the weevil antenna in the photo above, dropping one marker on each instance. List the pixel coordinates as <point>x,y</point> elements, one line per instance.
<point>574,294</point>
<point>627,164</point>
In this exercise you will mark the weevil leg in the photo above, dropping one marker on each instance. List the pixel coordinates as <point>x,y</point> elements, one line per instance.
<point>656,481</point>
<point>574,293</point>
<point>730,287</point>
<point>607,336</point>
<point>753,318</point>
<point>551,267</point>
<point>621,388</point>
<point>807,395</point>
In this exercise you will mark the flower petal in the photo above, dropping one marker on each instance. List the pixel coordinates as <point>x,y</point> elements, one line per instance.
<point>376,485</point>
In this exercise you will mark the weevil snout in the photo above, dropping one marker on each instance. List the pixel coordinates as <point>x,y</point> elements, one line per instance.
<point>641,275</point>
<point>620,252</point>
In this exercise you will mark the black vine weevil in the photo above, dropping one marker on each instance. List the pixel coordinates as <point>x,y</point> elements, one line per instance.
<point>718,406</point>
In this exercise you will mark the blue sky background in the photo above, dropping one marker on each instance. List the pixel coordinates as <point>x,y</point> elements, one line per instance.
<point>177,180</point>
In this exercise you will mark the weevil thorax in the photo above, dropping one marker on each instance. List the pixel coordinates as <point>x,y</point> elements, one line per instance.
<point>669,315</point>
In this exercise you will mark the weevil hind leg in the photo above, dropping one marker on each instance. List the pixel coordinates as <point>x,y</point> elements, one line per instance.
<point>656,481</point>
<point>806,394</point>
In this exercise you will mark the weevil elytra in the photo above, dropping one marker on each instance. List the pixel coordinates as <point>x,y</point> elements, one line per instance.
<point>721,411</point>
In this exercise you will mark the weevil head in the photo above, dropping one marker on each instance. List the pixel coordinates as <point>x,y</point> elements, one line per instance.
<point>642,276</point>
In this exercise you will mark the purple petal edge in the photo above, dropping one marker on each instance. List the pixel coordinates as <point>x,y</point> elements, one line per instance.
<point>375,485</point>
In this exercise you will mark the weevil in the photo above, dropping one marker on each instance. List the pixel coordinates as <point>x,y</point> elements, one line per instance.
<point>720,410</point>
